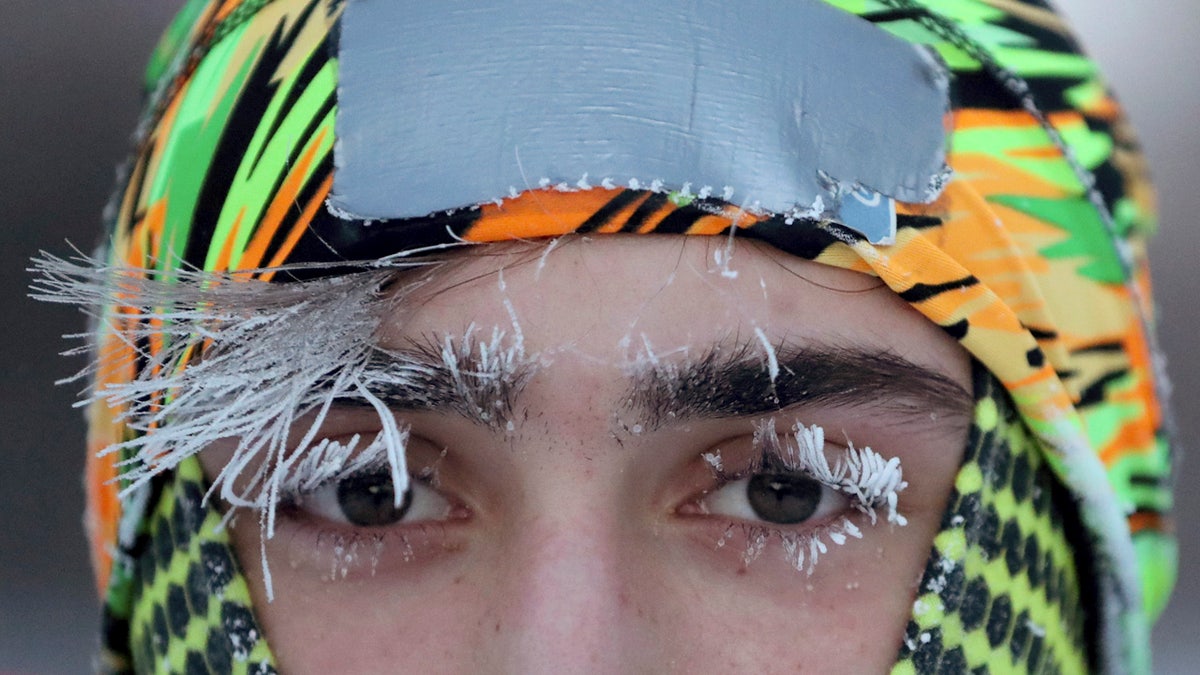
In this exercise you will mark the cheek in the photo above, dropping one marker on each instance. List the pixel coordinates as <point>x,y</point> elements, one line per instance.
<point>679,601</point>
<point>427,610</point>
<point>678,597</point>
<point>767,617</point>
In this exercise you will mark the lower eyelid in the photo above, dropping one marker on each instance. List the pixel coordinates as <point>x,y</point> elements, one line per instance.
<point>743,545</point>
<point>331,552</point>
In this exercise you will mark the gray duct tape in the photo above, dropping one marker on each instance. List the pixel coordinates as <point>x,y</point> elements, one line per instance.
<point>794,105</point>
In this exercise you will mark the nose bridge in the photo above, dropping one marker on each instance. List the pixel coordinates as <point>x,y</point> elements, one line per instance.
<point>562,591</point>
<point>565,581</point>
<point>560,603</point>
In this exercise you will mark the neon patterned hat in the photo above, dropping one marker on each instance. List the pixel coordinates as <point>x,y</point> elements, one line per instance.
<point>1014,215</point>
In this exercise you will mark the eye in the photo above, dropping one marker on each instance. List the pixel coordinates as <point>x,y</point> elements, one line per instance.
<point>367,499</point>
<point>778,497</point>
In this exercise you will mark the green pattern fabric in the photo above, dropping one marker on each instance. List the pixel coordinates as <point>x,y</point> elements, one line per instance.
<point>1001,590</point>
<point>191,606</point>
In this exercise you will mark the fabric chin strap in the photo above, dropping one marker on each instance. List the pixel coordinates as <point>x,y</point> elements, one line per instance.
<point>1001,589</point>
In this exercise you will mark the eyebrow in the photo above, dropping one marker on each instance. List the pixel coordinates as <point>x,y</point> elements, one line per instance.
<point>727,381</point>
<point>736,381</point>
<point>477,381</point>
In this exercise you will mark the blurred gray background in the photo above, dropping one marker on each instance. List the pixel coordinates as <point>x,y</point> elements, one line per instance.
<point>69,97</point>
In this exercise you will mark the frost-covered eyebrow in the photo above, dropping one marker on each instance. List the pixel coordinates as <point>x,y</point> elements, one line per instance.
<point>483,385</point>
<point>736,381</point>
<point>479,381</point>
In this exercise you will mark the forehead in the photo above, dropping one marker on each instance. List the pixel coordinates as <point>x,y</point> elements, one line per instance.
<point>619,299</point>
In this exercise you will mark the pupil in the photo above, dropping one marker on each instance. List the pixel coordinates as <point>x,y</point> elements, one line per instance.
<point>367,499</point>
<point>785,499</point>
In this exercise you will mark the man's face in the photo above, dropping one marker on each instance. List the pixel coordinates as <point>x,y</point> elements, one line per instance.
<point>625,490</point>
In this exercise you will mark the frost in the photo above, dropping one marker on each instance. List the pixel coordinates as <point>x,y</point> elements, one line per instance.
<point>804,550</point>
<point>936,584</point>
<point>725,537</point>
<point>723,256</point>
<point>714,461</point>
<point>758,538</point>
<point>541,265</point>
<point>351,553</point>
<point>861,473</point>
<point>481,371</point>
<point>256,367</point>
<point>264,363</point>
<point>772,358</point>
<point>851,529</point>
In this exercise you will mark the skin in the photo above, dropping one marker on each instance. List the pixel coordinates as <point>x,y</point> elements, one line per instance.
<point>585,538</point>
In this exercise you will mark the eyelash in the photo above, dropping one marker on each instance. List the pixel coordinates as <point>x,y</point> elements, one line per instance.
<point>342,552</point>
<point>343,548</point>
<point>860,474</point>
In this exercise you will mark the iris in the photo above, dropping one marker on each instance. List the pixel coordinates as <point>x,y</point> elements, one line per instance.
<point>784,498</point>
<point>368,499</point>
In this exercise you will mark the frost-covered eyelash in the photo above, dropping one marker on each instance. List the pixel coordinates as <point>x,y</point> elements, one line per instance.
<point>861,473</point>
<point>874,483</point>
<point>332,461</point>
<point>801,549</point>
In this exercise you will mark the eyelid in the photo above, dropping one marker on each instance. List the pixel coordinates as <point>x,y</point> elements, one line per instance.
<point>426,504</point>
<point>312,490</point>
<point>860,472</point>
<point>868,483</point>
<point>729,500</point>
<point>765,452</point>
<point>329,546</point>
